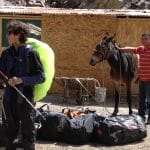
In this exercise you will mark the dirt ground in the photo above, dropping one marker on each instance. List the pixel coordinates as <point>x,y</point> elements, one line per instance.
<point>56,103</point>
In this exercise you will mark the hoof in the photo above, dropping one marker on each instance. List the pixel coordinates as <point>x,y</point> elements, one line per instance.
<point>130,112</point>
<point>114,113</point>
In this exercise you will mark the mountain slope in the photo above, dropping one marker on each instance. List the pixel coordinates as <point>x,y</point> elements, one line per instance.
<point>82,4</point>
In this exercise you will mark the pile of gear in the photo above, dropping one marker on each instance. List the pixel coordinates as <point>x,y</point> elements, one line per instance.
<point>82,125</point>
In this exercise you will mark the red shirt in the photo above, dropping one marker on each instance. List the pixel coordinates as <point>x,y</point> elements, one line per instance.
<point>144,62</point>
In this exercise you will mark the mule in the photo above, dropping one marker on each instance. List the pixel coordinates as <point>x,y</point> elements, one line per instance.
<point>122,66</point>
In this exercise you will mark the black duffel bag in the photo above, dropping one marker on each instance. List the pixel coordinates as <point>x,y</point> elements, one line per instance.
<point>60,127</point>
<point>122,129</point>
<point>52,126</point>
<point>80,129</point>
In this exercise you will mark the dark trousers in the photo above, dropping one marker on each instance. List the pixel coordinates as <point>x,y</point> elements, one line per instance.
<point>144,98</point>
<point>19,115</point>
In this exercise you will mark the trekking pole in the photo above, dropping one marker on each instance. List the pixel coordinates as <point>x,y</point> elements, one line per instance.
<point>23,96</point>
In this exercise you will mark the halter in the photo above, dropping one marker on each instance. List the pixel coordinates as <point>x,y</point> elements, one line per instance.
<point>105,54</point>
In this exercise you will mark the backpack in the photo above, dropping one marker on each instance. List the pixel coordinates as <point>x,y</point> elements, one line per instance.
<point>47,58</point>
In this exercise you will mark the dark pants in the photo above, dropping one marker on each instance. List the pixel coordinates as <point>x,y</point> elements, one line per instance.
<point>19,115</point>
<point>144,98</point>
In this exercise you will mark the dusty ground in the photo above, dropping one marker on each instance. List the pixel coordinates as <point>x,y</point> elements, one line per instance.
<point>56,104</point>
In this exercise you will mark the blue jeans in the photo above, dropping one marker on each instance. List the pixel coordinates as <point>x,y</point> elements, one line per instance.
<point>144,98</point>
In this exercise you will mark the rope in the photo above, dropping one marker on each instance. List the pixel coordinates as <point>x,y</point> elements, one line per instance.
<point>102,69</point>
<point>120,82</point>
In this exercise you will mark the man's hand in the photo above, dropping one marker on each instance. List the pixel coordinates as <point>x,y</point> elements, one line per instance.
<point>14,81</point>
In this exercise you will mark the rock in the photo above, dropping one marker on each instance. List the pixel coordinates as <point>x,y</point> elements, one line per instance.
<point>81,4</point>
<point>137,4</point>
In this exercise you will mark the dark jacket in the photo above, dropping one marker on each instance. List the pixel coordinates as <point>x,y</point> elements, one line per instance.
<point>14,63</point>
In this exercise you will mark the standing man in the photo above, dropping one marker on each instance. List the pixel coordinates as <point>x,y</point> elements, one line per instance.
<point>23,75</point>
<point>144,72</point>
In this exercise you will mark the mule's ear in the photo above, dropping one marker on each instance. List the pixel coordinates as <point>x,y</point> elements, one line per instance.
<point>111,38</point>
<point>106,36</point>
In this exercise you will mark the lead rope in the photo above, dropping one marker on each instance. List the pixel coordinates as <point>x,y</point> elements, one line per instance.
<point>120,82</point>
<point>102,70</point>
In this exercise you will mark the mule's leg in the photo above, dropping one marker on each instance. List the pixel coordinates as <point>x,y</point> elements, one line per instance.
<point>129,99</point>
<point>116,102</point>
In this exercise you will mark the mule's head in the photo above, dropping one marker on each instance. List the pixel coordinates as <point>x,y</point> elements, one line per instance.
<point>102,50</point>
